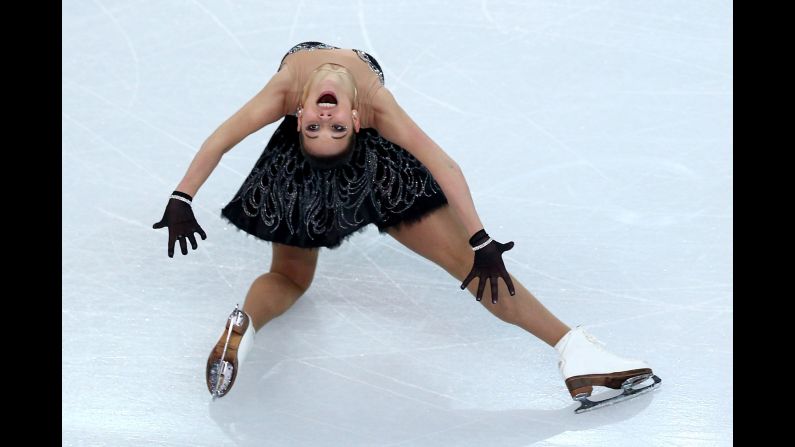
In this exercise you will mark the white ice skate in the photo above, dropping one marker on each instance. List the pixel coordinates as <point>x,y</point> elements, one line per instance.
<point>228,354</point>
<point>584,363</point>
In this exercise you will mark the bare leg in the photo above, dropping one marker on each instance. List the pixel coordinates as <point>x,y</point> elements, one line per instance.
<point>522,309</point>
<point>271,294</point>
<point>291,272</point>
<point>441,237</point>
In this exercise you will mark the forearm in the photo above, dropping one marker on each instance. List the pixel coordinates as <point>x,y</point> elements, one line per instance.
<point>203,164</point>
<point>199,170</point>
<point>208,157</point>
<point>265,108</point>
<point>451,179</point>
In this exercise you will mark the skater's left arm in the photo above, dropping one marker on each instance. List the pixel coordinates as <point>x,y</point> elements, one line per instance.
<point>394,124</point>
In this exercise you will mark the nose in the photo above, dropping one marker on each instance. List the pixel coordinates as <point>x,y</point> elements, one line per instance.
<point>325,114</point>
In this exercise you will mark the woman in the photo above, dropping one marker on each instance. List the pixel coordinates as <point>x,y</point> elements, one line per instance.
<point>344,156</point>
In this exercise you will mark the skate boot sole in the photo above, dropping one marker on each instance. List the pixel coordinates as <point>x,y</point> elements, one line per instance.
<point>222,367</point>
<point>582,386</point>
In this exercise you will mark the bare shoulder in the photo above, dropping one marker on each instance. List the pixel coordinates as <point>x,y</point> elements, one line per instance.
<point>394,124</point>
<point>282,80</point>
<point>383,100</point>
<point>385,108</point>
<point>269,104</point>
<point>280,90</point>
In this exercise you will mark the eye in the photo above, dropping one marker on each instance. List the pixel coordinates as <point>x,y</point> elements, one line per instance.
<point>313,127</point>
<point>339,128</point>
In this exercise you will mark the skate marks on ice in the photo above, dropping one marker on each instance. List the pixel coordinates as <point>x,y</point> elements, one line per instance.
<point>629,190</point>
<point>269,407</point>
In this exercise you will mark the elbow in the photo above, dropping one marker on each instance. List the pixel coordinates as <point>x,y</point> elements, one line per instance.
<point>212,147</point>
<point>448,164</point>
<point>452,165</point>
<point>450,171</point>
<point>445,169</point>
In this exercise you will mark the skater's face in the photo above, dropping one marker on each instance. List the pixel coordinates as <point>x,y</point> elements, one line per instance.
<point>327,118</point>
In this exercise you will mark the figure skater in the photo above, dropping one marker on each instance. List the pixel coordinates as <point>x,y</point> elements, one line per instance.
<point>344,156</point>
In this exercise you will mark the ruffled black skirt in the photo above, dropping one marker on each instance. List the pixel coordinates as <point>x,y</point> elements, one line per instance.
<point>287,201</point>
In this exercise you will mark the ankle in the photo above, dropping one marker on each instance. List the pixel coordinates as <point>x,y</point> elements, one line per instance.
<point>559,336</point>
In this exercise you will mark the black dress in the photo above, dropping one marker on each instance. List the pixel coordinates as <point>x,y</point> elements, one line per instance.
<point>287,201</point>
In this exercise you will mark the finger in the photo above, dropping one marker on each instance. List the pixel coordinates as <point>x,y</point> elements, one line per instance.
<point>508,282</point>
<point>481,286</point>
<point>201,232</point>
<point>171,241</point>
<point>183,246</point>
<point>159,225</point>
<point>493,281</point>
<point>192,240</point>
<point>506,247</point>
<point>468,279</point>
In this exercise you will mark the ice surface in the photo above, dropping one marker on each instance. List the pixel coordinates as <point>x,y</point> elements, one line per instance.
<point>595,134</point>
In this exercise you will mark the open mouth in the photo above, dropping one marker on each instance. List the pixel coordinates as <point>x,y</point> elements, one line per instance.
<point>327,100</point>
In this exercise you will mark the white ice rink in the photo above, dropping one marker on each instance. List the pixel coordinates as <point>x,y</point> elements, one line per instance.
<point>594,134</point>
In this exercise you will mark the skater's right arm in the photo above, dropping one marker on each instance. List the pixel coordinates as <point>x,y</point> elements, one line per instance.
<point>266,107</point>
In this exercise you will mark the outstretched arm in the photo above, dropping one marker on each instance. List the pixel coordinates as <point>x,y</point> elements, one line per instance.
<point>394,124</point>
<point>264,108</point>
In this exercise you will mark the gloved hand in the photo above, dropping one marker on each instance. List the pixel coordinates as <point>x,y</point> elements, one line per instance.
<point>488,264</point>
<point>181,223</point>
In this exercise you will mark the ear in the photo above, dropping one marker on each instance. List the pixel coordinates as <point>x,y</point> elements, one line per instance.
<point>356,123</point>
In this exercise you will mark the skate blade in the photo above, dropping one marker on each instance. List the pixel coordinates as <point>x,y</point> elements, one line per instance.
<point>629,393</point>
<point>221,371</point>
<point>220,378</point>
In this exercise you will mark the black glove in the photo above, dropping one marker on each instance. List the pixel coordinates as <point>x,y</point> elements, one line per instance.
<point>181,223</point>
<point>488,265</point>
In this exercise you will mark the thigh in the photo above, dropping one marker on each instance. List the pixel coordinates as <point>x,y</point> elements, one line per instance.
<point>296,263</point>
<point>439,237</point>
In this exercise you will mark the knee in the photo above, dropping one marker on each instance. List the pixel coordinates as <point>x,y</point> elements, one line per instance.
<point>300,277</point>
<point>296,265</point>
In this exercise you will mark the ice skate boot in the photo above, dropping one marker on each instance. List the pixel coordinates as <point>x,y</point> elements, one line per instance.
<point>584,363</point>
<point>229,353</point>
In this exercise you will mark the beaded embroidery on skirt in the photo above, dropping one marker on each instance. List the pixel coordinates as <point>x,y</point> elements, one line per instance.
<point>285,200</point>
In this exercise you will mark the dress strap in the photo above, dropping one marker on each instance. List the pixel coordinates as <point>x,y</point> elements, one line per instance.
<point>372,63</point>
<point>307,46</point>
